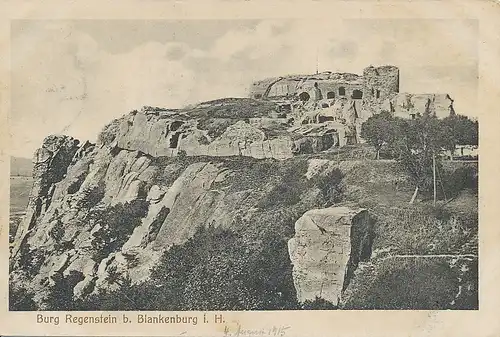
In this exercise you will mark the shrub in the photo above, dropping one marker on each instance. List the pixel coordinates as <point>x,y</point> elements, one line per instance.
<point>288,190</point>
<point>215,126</point>
<point>214,270</point>
<point>93,196</point>
<point>117,224</point>
<point>30,260</point>
<point>109,132</point>
<point>425,230</point>
<point>60,295</point>
<point>21,299</point>
<point>330,185</point>
<point>464,177</point>
<point>416,283</point>
<point>318,304</point>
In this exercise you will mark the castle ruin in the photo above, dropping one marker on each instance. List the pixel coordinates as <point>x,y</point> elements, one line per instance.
<point>350,96</point>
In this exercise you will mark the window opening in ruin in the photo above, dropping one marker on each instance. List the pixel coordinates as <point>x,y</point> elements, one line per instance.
<point>357,94</point>
<point>175,125</point>
<point>378,93</point>
<point>342,91</point>
<point>174,140</point>
<point>330,95</point>
<point>325,105</point>
<point>304,96</point>
<point>323,119</point>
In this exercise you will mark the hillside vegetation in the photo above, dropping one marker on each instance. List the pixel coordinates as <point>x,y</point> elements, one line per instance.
<point>123,229</point>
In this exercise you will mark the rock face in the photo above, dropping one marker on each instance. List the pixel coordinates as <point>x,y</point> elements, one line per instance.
<point>326,249</point>
<point>50,164</point>
<point>407,105</point>
<point>385,79</point>
<point>172,135</point>
<point>77,187</point>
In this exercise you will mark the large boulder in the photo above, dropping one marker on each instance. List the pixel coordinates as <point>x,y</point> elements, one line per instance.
<point>327,246</point>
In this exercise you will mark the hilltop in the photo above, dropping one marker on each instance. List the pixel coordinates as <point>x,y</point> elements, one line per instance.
<point>235,204</point>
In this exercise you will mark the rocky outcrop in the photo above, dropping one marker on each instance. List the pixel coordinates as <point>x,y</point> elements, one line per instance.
<point>326,249</point>
<point>67,234</point>
<point>50,162</point>
<point>173,134</point>
<point>407,105</point>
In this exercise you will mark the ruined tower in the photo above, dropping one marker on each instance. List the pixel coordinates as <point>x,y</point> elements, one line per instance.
<point>380,83</point>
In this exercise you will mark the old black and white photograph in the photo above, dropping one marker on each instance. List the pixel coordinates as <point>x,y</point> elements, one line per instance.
<point>244,164</point>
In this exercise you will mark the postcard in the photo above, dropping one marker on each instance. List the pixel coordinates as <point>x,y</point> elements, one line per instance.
<point>290,169</point>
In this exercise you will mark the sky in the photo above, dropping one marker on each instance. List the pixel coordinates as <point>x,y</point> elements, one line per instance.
<point>74,77</point>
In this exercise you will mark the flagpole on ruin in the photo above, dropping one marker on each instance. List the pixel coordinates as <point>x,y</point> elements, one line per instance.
<point>317,68</point>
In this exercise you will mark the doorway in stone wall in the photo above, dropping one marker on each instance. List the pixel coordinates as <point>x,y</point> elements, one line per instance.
<point>357,94</point>
<point>304,96</point>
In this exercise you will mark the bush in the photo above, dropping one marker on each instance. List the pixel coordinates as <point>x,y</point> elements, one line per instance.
<point>464,177</point>
<point>117,224</point>
<point>425,230</point>
<point>93,196</point>
<point>60,295</point>
<point>415,283</point>
<point>318,304</point>
<point>21,299</point>
<point>214,270</point>
<point>31,260</point>
<point>215,126</point>
<point>330,185</point>
<point>109,132</point>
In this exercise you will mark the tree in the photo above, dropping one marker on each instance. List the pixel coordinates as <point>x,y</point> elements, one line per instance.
<point>379,130</point>
<point>460,130</point>
<point>420,143</point>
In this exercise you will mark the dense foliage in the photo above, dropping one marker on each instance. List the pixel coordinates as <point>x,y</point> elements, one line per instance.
<point>461,130</point>
<point>215,270</point>
<point>380,130</point>
<point>419,144</point>
<point>20,299</point>
<point>116,225</point>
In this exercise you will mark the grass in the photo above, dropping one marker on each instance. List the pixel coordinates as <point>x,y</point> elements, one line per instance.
<point>417,283</point>
<point>233,108</point>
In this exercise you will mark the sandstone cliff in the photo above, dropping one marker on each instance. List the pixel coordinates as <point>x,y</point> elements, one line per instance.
<point>70,231</point>
<point>126,213</point>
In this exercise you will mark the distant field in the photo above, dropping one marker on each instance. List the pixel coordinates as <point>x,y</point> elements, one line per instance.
<point>19,195</point>
<point>21,166</point>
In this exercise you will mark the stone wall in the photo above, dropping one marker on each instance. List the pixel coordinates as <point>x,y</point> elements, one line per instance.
<point>380,82</point>
<point>296,84</point>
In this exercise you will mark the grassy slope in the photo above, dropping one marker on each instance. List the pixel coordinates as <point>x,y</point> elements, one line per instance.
<point>400,228</point>
<point>426,279</point>
<point>281,194</point>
